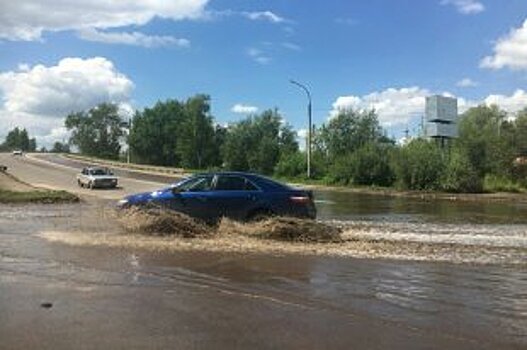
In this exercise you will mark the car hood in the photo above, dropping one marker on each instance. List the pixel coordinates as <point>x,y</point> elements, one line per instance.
<point>147,196</point>
<point>104,177</point>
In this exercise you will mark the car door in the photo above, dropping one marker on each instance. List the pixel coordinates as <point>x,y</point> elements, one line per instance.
<point>194,199</point>
<point>83,176</point>
<point>234,196</point>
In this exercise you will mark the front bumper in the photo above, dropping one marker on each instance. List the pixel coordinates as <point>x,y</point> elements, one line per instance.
<point>106,183</point>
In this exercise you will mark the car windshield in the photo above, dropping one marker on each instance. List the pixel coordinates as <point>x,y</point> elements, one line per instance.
<point>99,172</point>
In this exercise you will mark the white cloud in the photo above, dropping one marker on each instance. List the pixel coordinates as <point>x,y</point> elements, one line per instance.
<point>302,138</point>
<point>466,7</point>
<point>264,15</point>
<point>39,97</point>
<point>264,52</point>
<point>24,67</point>
<point>466,82</point>
<point>510,51</point>
<point>512,104</point>
<point>60,134</point>
<point>399,106</point>
<point>394,106</point>
<point>291,46</point>
<point>244,109</point>
<point>28,19</point>
<point>259,56</point>
<point>73,84</point>
<point>133,38</point>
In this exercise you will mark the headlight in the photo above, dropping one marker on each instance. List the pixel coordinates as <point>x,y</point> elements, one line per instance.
<point>122,201</point>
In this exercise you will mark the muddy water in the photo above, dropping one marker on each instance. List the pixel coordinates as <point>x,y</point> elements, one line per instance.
<point>358,206</point>
<point>122,295</point>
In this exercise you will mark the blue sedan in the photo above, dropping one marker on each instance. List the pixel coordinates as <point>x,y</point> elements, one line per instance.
<point>236,195</point>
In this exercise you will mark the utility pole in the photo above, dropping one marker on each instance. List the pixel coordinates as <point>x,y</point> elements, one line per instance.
<point>310,130</point>
<point>128,140</point>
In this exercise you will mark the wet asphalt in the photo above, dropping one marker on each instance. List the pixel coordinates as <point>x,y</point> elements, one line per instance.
<point>54,296</point>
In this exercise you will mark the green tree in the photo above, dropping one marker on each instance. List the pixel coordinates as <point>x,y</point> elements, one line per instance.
<point>257,143</point>
<point>19,139</point>
<point>460,175</point>
<point>349,131</point>
<point>291,164</point>
<point>32,145</point>
<point>175,133</point>
<point>154,134</point>
<point>195,144</point>
<point>419,165</point>
<point>220,133</point>
<point>59,147</point>
<point>487,139</point>
<point>96,132</point>
<point>520,136</point>
<point>23,140</point>
<point>370,165</point>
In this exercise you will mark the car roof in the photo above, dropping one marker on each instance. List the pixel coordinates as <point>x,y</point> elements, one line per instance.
<point>227,173</point>
<point>261,180</point>
<point>95,168</point>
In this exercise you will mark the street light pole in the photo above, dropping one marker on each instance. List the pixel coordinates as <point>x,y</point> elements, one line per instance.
<point>310,128</point>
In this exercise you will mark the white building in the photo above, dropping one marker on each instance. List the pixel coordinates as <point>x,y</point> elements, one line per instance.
<point>441,117</point>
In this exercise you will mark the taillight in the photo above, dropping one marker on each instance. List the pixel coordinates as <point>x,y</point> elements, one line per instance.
<point>300,199</point>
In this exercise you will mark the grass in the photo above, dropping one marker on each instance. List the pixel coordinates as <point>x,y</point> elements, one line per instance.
<point>494,183</point>
<point>37,196</point>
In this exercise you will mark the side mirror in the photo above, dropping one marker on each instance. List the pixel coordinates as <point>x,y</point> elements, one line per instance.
<point>176,191</point>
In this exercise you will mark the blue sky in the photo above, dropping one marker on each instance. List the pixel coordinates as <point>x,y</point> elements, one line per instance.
<point>385,54</point>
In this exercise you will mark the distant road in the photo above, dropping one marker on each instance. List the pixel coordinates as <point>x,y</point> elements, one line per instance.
<point>53,171</point>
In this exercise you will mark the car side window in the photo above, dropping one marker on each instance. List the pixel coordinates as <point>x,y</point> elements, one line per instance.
<point>233,183</point>
<point>199,184</point>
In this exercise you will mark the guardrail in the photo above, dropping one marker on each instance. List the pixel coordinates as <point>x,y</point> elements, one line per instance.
<point>176,172</point>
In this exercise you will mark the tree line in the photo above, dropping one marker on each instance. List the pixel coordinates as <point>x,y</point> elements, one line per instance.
<point>18,139</point>
<point>349,149</point>
<point>490,154</point>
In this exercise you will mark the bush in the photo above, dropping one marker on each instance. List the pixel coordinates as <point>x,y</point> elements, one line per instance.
<point>419,165</point>
<point>291,165</point>
<point>341,171</point>
<point>495,183</point>
<point>460,175</point>
<point>371,165</point>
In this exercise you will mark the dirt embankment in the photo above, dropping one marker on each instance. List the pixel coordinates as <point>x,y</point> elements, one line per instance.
<point>13,190</point>
<point>9,183</point>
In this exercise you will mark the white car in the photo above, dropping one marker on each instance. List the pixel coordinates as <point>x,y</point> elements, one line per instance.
<point>97,177</point>
<point>17,152</point>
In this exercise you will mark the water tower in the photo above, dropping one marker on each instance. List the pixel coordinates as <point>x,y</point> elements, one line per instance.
<point>441,118</point>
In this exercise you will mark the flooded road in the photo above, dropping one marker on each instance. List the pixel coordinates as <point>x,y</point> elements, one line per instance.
<point>378,208</point>
<point>116,297</point>
<point>86,285</point>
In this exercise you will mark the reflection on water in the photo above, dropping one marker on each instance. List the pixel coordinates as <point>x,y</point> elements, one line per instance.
<point>430,295</point>
<point>359,206</point>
